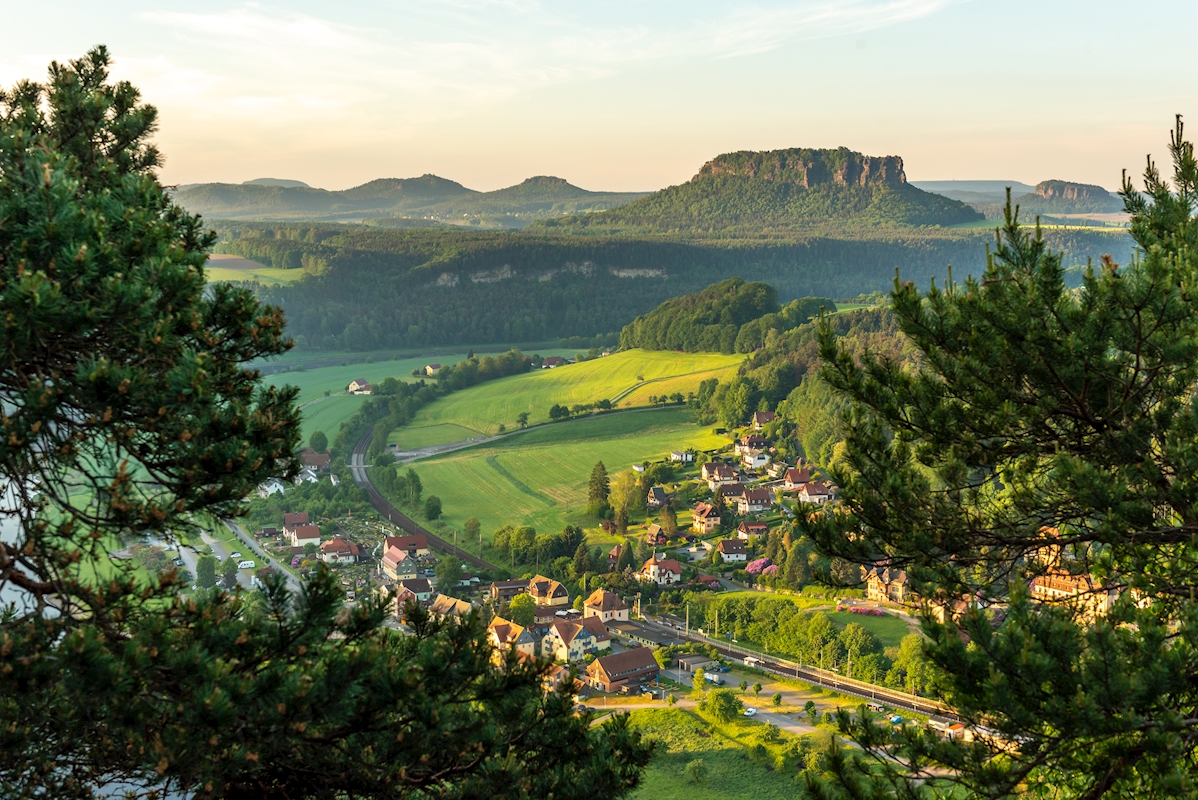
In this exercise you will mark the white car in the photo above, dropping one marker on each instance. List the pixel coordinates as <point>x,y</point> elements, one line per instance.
<point>235,555</point>
<point>245,565</point>
<point>750,712</point>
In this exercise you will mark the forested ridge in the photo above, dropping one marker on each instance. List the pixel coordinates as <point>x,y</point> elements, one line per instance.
<point>368,287</point>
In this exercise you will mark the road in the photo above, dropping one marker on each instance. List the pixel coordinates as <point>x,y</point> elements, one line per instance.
<point>358,468</point>
<point>293,583</point>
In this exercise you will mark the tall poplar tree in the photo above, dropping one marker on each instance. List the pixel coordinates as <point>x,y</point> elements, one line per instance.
<point>130,405</point>
<point>1048,435</point>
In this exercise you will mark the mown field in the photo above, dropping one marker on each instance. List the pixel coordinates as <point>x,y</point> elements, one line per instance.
<point>235,268</point>
<point>485,407</point>
<point>408,438</point>
<point>684,384</point>
<point>539,478</point>
<point>683,737</point>
<point>889,629</point>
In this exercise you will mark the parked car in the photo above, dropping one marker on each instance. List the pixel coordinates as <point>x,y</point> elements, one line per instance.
<point>896,720</point>
<point>245,565</point>
<point>178,562</point>
<point>749,712</point>
<point>716,679</point>
<point>235,555</point>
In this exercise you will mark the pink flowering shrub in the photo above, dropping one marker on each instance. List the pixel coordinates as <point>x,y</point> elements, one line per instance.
<point>755,567</point>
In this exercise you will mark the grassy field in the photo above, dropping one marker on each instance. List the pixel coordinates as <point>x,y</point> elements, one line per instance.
<point>539,478</point>
<point>889,629</point>
<point>684,384</point>
<point>234,268</point>
<point>328,414</point>
<point>683,737</point>
<point>313,383</point>
<point>484,407</point>
<point>414,438</point>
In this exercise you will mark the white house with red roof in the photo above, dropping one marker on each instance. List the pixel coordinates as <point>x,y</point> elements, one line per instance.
<point>662,571</point>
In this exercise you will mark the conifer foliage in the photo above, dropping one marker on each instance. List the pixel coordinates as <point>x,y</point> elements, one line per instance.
<point>129,405</point>
<point>1048,434</point>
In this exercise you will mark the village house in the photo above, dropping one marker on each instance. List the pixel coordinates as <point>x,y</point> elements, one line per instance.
<point>732,550</point>
<point>683,456</point>
<point>548,592</point>
<point>504,591</point>
<point>655,536</point>
<point>613,557</point>
<point>663,572</point>
<point>420,587</point>
<point>777,469</point>
<point>657,497</point>
<point>415,545</point>
<point>339,551</point>
<point>599,631</point>
<point>755,459</point>
<point>306,475</point>
<point>815,492</point>
<point>748,531</point>
<point>630,668</point>
<point>551,362</point>
<point>705,518</point>
<point>397,564</point>
<point>731,492</point>
<point>293,518</point>
<point>762,418</point>
<point>400,600</point>
<point>359,386</point>
<point>754,501</point>
<point>314,460</point>
<point>886,585</point>
<point>431,369</point>
<point>446,607</point>
<point>567,641</point>
<point>605,606</point>
<point>301,535</point>
<point>751,442</point>
<point>796,478</point>
<point>1081,592</point>
<point>504,634</point>
<point>717,473</point>
<point>271,486</point>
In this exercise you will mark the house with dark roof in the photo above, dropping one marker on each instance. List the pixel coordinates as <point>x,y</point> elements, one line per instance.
<point>705,518</point>
<point>357,385</point>
<point>567,641</point>
<point>754,501</point>
<point>717,473</point>
<point>552,361</point>
<point>504,591</point>
<point>618,670</point>
<point>815,492</point>
<point>655,536</point>
<point>732,550</point>
<point>314,460</point>
<point>750,530</point>
<point>420,587</point>
<point>657,497</point>
<point>762,418</point>
<point>431,369</point>
<point>796,478</point>
<point>293,518</point>
<point>548,592</point>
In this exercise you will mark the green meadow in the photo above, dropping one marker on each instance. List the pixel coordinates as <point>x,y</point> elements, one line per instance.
<point>486,406</point>
<point>889,629</point>
<point>539,478</point>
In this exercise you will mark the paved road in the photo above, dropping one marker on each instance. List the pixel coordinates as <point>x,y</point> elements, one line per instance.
<point>293,583</point>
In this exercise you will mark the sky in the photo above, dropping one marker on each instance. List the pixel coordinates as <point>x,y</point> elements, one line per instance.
<point>632,95</point>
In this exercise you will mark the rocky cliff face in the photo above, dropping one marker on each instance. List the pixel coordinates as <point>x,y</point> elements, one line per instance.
<point>1072,192</point>
<point>809,168</point>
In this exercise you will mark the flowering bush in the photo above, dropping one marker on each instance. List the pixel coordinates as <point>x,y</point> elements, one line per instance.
<point>755,567</point>
<point>772,569</point>
<point>873,612</point>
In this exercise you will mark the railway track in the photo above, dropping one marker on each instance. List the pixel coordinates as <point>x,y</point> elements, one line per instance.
<point>357,468</point>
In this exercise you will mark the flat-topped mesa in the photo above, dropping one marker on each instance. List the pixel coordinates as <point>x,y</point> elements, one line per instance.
<point>808,167</point>
<point>1073,192</point>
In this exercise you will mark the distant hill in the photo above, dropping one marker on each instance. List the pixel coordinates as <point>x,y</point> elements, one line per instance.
<point>286,184</point>
<point>427,197</point>
<point>1046,197</point>
<point>783,190</point>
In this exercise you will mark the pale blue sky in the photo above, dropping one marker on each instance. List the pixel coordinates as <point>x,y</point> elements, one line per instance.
<point>633,95</point>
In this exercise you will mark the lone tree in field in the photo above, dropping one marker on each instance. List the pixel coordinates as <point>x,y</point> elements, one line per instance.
<point>130,406</point>
<point>1049,436</point>
<point>319,442</point>
<point>598,489</point>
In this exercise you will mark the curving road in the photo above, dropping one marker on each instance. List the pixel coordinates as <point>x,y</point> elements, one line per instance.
<point>357,468</point>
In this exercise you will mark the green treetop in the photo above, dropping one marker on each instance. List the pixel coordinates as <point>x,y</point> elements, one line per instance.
<point>1048,432</point>
<point>130,406</point>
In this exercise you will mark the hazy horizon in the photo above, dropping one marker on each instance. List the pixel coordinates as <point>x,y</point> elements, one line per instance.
<point>629,96</point>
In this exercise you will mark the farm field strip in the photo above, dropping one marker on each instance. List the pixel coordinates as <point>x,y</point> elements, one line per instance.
<point>485,406</point>
<point>409,438</point>
<point>684,384</point>
<point>554,463</point>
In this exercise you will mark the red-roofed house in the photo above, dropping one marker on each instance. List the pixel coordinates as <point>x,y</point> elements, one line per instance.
<point>750,530</point>
<point>568,641</point>
<point>705,518</point>
<point>815,492</point>
<point>552,361</point>
<point>415,545</point>
<point>314,460</point>
<point>761,419</point>
<point>630,668</point>
<point>661,571</point>
<point>301,535</point>
<point>605,606</point>
<point>291,519</point>
<point>397,564</point>
<point>795,479</point>
<point>339,551</point>
<point>506,634</point>
<point>754,501</point>
<point>717,474</point>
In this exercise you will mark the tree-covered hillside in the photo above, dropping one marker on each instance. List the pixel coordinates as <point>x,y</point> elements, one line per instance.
<point>795,189</point>
<point>367,287</point>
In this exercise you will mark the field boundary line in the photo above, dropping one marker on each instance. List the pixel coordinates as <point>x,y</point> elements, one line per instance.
<point>493,463</point>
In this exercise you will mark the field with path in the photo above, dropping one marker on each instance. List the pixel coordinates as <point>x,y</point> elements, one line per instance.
<point>485,407</point>
<point>539,478</point>
<point>235,268</point>
<point>889,629</point>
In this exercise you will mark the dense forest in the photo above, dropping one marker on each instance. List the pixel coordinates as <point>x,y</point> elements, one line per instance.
<point>728,317</point>
<point>367,287</point>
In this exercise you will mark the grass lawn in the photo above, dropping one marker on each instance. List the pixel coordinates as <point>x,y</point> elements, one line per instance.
<point>889,629</point>
<point>684,384</point>
<point>484,407</point>
<point>798,600</point>
<point>683,737</point>
<point>539,478</point>
<point>414,438</point>
<point>328,414</point>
